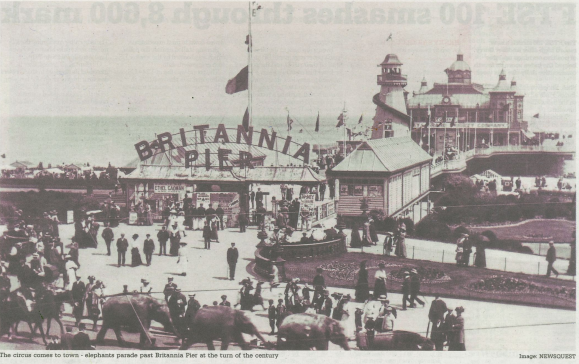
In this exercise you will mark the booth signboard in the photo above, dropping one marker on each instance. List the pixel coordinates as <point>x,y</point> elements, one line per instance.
<point>307,200</point>
<point>70,217</point>
<point>133,218</point>
<point>202,198</point>
<point>169,188</point>
<point>331,209</point>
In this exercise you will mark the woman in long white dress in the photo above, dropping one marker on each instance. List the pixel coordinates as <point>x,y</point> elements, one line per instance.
<point>71,268</point>
<point>183,260</point>
<point>181,223</point>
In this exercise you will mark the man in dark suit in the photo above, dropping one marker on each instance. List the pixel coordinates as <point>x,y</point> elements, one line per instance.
<point>224,301</point>
<point>271,315</point>
<point>78,291</point>
<point>122,246</point>
<point>148,249</point>
<point>551,257</point>
<point>252,199</point>
<point>163,237</point>
<point>192,307</point>
<point>209,213</point>
<point>232,256</point>
<point>81,341</point>
<point>169,289</point>
<point>108,236</point>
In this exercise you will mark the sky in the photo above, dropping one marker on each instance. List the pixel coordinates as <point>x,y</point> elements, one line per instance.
<point>111,62</point>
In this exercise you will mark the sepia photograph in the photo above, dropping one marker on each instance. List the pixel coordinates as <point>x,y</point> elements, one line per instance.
<point>183,177</point>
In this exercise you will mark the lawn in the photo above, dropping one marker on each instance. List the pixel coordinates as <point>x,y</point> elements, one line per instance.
<point>448,280</point>
<point>533,231</point>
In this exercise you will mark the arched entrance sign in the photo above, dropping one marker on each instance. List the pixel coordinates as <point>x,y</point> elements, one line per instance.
<point>199,135</point>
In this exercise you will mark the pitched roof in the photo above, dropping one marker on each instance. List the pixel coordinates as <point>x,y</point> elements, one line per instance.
<point>464,100</point>
<point>384,155</point>
<point>257,174</point>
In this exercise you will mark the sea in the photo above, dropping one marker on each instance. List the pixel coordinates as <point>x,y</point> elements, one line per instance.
<point>100,140</point>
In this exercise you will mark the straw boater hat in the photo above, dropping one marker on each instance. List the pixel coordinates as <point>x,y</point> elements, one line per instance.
<point>192,295</point>
<point>173,212</point>
<point>144,281</point>
<point>382,298</point>
<point>181,213</point>
<point>414,271</point>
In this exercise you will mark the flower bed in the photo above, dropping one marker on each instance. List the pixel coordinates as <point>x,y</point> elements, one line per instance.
<point>348,271</point>
<point>427,275</point>
<point>501,284</point>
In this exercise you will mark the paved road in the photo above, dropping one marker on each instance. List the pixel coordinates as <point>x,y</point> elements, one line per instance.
<point>490,326</point>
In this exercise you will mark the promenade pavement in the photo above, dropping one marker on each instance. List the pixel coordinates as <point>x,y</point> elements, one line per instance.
<point>489,326</point>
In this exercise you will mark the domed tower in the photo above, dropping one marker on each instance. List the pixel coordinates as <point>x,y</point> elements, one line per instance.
<point>459,71</point>
<point>391,117</point>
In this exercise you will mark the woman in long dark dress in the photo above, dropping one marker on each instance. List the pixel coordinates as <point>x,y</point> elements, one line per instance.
<point>135,254</point>
<point>214,235</point>
<point>355,240</point>
<point>362,288</point>
<point>480,259</point>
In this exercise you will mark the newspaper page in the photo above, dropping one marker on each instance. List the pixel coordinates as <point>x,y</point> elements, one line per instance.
<point>290,179</point>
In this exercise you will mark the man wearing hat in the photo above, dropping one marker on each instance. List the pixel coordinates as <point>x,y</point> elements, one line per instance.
<point>108,236</point>
<point>122,246</point>
<point>326,304</point>
<point>551,257</point>
<point>232,256</point>
<point>192,307</point>
<point>224,301</point>
<point>271,315</point>
<point>406,283</point>
<point>436,316</point>
<point>148,249</point>
<point>319,284</point>
<point>145,287</point>
<point>176,304</point>
<point>169,289</point>
<point>78,291</point>
<point>415,287</point>
<point>163,237</point>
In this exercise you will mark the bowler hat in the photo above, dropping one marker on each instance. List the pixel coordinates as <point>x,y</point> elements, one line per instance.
<point>223,297</point>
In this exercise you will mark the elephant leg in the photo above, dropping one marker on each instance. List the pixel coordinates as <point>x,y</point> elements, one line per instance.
<point>210,345</point>
<point>119,335</point>
<point>241,341</point>
<point>225,340</point>
<point>103,331</point>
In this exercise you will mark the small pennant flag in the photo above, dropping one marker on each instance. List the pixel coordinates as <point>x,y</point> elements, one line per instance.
<point>536,116</point>
<point>361,117</point>
<point>248,41</point>
<point>340,120</point>
<point>245,121</point>
<point>349,131</point>
<point>289,123</point>
<point>238,83</point>
<point>389,37</point>
<point>318,123</point>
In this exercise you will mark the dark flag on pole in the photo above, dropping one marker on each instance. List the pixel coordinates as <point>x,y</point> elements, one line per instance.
<point>349,131</point>
<point>361,117</point>
<point>238,83</point>
<point>536,116</point>
<point>340,120</point>
<point>289,123</point>
<point>318,123</point>
<point>245,122</point>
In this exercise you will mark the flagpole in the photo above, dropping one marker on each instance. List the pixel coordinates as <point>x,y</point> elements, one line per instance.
<point>344,122</point>
<point>249,66</point>
<point>444,146</point>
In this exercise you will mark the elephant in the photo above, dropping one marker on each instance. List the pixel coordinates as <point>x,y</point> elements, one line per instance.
<point>398,340</point>
<point>134,313</point>
<point>304,331</point>
<point>48,305</point>
<point>220,322</point>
